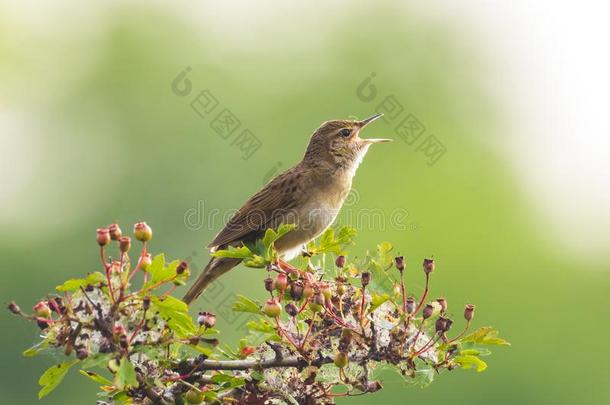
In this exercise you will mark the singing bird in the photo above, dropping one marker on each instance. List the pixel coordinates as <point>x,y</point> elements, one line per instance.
<point>309,195</point>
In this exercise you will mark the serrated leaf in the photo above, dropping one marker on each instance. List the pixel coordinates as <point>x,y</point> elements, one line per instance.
<point>333,241</point>
<point>485,335</point>
<point>227,381</point>
<point>96,360</point>
<point>75,284</point>
<point>245,304</point>
<point>95,377</point>
<point>206,351</point>
<point>36,349</point>
<point>175,313</point>
<point>272,235</point>
<point>164,273</point>
<point>378,266</point>
<point>53,376</point>
<point>475,352</point>
<point>377,300</point>
<point>242,252</point>
<point>125,376</point>
<point>157,264</point>
<point>470,361</point>
<point>424,377</point>
<point>261,325</point>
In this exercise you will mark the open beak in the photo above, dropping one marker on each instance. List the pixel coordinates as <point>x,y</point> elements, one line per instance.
<point>367,121</point>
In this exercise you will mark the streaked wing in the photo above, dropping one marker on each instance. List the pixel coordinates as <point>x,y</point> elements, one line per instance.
<point>267,208</point>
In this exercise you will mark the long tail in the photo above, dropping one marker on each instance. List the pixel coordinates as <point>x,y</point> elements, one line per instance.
<point>215,268</point>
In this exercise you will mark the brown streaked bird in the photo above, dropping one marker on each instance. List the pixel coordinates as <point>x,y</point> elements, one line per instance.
<point>308,195</point>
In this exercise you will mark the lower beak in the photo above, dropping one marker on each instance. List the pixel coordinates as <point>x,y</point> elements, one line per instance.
<point>367,121</point>
<point>377,140</point>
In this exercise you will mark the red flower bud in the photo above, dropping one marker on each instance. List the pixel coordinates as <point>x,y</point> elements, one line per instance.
<point>345,339</point>
<point>14,308</point>
<point>373,386</point>
<point>146,303</point>
<point>308,291</point>
<point>145,261</point>
<point>42,310</point>
<point>281,282</point>
<point>443,303</point>
<point>317,304</point>
<point>410,305</point>
<point>428,311</point>
<point>365,278</point>
<point>400,263</point>
<point>341,359</point>
<point>115,231</point>
<point>269,284</point>
<point>142,232</point>
<point>428,266</point>
<point>296,290</point>
<point>182,267</point>
<point>82,353</point>
<point>291,309</point>
<point>469,312</point>
<point>194,397</point>
<point>103,236</point>
<point>272,308</point>
<point>119,330</point>
<point>440,325</point>
<point>325,290</point>
<point>246,351</point>
<point>340,261</point>
<point>123,342</point>
<point>340,284</point>
<point>124,244</point>
<point>206,319</point>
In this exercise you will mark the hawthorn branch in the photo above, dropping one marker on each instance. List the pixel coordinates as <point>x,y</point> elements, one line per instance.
<point>297,362</point>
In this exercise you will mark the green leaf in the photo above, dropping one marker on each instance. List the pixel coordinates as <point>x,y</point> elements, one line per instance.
<point>96,377</point>
<point>245,304</point>
<point>227,381</point>
<point>241,252</point>
<point>485,335</point>
<point>424,377</point>
<point>125,376</point>
<point>475,352</point>
<point>469,361</point>
<point>36,349</point>
<point>377,300</point>
<point>96,360</point>
<point>175,313</point>
<point>205,350</point>
<point>261,325</point>
<point>157,264</point>
<point>165,273</point>
<point>332,241</point>
<point>53,376</point>
<point>75,284</point>
<point>271,236</point>
<point>381,282</point>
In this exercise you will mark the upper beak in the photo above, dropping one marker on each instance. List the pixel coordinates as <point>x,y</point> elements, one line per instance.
<point>367,121</point>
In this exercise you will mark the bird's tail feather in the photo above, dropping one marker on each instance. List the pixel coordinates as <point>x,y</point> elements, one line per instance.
<point>215,268</point>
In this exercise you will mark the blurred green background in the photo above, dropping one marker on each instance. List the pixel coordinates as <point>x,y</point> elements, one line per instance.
<point>92,132</point>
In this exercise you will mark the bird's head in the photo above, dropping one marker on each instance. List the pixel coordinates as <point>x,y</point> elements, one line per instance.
<point>338,142</point>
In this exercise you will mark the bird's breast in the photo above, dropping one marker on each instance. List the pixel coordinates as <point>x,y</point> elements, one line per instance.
<point>316,213</point>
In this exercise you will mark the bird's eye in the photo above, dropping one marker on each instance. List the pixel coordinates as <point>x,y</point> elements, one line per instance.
<point>345,132</point>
